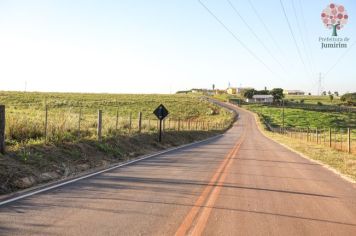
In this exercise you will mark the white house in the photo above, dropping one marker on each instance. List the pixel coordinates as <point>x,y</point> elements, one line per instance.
<point>260,99</point>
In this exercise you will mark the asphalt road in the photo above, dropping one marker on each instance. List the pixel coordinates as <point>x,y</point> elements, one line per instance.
<point>239,184</point>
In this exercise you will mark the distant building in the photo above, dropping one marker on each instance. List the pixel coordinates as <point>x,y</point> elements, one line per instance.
<point>260,99</point>
<point>231,90</point>
<point>293,92</point>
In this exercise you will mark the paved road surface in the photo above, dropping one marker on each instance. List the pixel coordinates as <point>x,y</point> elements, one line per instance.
<point>239,184</point>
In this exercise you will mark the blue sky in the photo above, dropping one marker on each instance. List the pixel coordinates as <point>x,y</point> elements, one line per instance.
<point>152,46</point>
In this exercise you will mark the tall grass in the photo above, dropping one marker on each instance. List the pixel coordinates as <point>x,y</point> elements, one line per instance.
<point>25,114</point>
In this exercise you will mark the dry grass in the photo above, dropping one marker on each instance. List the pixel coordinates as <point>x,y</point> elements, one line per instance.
<point>342,162</point>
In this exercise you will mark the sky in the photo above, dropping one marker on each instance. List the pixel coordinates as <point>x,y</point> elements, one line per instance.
<point>162,46</point>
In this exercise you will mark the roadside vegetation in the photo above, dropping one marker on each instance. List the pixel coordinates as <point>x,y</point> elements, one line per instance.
<point>302,118</point>
<point>342,162</point>
<point>71,145</point>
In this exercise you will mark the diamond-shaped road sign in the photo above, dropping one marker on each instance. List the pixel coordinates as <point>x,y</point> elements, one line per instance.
<point>161,112</point>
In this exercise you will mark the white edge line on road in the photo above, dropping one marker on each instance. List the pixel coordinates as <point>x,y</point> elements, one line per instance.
<point>105,170</point>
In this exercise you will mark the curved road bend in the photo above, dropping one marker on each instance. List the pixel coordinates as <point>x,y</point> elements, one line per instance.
<point>239,184</point>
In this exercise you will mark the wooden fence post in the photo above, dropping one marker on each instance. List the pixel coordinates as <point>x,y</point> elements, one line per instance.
<point>130,122</point>
<point>308,134</point>
<point>46,123</point>
<point>117,120</point>
<point>79,120</point>
<point>317,136</point>
<point>329,137</point>
<point>100,124</point>
<point>178,124</point>
<point>139,121</point>
<point>2,129</point>
<point>348,140</point>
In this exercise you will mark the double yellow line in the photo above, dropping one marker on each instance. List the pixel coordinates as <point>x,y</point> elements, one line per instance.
<point>208,196</point>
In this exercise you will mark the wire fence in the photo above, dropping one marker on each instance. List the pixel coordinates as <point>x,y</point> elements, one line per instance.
<point>68,124</point>
<point>339,139</point>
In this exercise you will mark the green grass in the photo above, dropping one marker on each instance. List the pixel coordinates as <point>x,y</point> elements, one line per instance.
<point>325,100</point>
<point>301,118</point>
<point>25,114</point>
<point>64,153</point>
<point>342,162</point>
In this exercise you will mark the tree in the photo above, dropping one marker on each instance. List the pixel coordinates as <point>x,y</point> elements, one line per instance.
<point>331,97</point>
<point>329,93</point>
<point>309,94</point>
<point>277,94</point>
<point>336,93</point>
<point>350,98</point>
<point>213,87</point>
<point>262,92</point>
<point>248,93</point>
<point>324,93</point>
<point>334,17</point>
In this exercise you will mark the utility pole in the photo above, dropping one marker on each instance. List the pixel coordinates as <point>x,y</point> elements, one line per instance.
<point>319,84</point>
<point>283,115</point>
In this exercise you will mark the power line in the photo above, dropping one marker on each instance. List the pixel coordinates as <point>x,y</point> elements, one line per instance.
<point>266,28</point>
<point>306,34</point>
<point>256,36</point>
<point>293,36</point>
<point>301,34</point>
<point>236,38</point>
<point>339,59</point>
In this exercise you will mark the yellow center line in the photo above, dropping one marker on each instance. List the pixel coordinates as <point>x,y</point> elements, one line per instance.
<point>218,177</point>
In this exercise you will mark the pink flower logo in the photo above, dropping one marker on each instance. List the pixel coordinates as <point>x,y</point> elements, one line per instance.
<point>334,17</point>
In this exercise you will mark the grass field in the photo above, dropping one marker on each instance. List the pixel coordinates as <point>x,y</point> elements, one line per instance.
<point>25,114</point>
<point>301,118</point>
<point>303,123</point>
<point>313,99</point>
<point>342,162</point>
<point>30,160</point>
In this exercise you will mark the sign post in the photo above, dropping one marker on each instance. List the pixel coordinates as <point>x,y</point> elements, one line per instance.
<point>161,112</point>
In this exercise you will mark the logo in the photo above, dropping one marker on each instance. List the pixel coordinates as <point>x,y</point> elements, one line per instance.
<point>334,17</point>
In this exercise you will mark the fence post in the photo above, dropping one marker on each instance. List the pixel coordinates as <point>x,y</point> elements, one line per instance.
<point>329,137</point>
<point>46,122</point>
<point>130,122</point>
<point>308,134</point>
<point>117,120</point>
<point>79,120</point>
<point>178,124</point>
<point>317,136</point>
<point>348,140</point>
<point>139,121</point>
<point>2,129</point>
<point>100,124</point>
